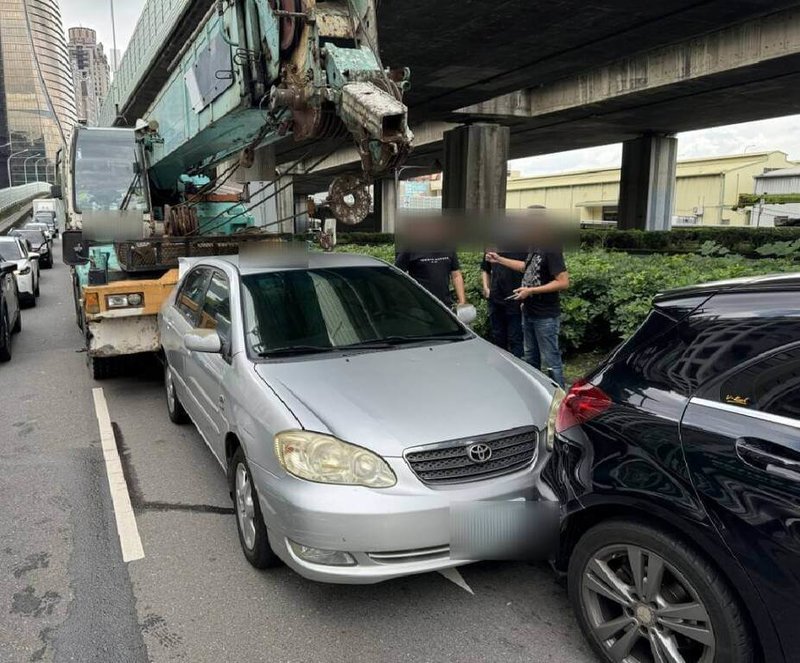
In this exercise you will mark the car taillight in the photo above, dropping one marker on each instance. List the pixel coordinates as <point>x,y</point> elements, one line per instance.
<point>582,403</point>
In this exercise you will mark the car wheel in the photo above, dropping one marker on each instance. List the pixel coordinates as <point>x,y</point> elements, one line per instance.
<point>643,596</point>
<point>249,521</point>
<point>36,291</point>
<point>5,336</point>
<point>177,415</point>
<point>17,328</point>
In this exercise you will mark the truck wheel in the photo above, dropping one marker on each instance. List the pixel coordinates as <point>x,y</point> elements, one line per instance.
<point>5,336</point>
<point>101,368</point>
<point>177,415</point>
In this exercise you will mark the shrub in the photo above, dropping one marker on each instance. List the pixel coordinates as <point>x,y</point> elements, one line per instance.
<point>610,293</point>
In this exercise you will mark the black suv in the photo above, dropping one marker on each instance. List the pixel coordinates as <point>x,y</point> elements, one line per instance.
<point>678,464</point>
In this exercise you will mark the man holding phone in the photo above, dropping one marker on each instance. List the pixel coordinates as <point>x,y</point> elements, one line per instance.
<point>505,316</point>
<point>544,276</point>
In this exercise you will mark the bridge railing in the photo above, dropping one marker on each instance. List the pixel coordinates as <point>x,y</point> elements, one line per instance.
<point>14,195</point>
<point>155,23</point>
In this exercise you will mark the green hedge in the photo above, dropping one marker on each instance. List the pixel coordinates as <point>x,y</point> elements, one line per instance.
<point>610,292</point>
<point>740,240</point>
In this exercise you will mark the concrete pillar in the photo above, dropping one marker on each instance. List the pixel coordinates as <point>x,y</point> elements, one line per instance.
<point>385,204</point>
<point>475,167</point>
<point>647,184</point>
<point>274,212</point>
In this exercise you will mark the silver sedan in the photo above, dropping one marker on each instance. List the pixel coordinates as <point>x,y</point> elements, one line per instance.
<point>351,411</point>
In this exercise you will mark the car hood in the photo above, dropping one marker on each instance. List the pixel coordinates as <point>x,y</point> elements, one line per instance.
<point>390,400</point>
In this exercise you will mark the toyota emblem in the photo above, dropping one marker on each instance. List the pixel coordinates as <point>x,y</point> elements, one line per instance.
<point>479,453</point>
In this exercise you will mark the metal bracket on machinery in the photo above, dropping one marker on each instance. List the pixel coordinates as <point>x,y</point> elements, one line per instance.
<point>331,91</point>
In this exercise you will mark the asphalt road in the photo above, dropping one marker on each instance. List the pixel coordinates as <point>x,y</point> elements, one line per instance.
<point>66,594</point>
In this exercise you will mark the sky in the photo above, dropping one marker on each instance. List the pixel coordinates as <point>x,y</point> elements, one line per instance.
<point>776,134</point>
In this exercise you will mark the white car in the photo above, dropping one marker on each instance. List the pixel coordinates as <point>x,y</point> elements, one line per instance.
<point>14,249</point>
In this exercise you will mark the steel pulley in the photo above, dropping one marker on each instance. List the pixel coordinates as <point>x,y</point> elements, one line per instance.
<point>349,199</point>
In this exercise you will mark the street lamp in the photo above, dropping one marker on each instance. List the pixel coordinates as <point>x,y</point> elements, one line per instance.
<point>25,164</point>
<point>36,168</point>
<point>8,163</point>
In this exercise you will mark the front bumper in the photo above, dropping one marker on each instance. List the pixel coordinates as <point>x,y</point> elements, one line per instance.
<point>122,333</point>
<point>400,531</point>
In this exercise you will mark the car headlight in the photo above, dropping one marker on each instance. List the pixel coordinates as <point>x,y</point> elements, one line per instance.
<point>558,396</point>
<point>325,459</point>
<point>24,271</point>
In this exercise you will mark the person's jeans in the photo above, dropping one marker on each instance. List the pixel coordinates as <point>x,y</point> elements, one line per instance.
<point>506,324</point>
<point>541,345</point>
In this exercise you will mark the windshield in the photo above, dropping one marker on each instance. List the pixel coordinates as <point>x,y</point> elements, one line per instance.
<point>10,250</point>
<point>35,237</point>
<point>104,171</point>
<point>336,308</point>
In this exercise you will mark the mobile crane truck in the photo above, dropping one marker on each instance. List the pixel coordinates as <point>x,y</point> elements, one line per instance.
<point>253,72</point>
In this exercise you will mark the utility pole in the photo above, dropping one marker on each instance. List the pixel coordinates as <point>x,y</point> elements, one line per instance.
<point>114,36</point>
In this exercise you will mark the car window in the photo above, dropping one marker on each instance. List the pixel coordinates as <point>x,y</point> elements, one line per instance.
<point>216,313</point>
<point>332,308</point>
<point>190,298</point>
<point>10,250</point>
<point>769,385</point>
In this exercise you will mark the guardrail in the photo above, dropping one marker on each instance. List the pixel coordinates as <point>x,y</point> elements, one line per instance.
<point>15,195</point>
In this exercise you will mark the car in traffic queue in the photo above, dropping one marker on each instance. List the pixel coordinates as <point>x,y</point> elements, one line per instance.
<point>46,228</point>
<point>10,315</point>
<point>350,410</point>
<point>678,464</point>
<point>37,242</point>
<point>49,219</point>
<point>15,249</point>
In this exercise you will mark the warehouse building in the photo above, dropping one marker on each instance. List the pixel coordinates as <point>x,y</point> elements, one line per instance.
<point>707,190</point>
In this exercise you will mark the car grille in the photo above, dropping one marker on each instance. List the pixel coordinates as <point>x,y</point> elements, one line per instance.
<point>450,462</point>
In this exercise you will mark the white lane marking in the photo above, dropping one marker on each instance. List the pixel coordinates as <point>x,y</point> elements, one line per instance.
<point>128,532</point>
<point>454,576</point>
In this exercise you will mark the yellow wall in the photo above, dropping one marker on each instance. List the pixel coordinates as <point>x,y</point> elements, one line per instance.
<point>712,185</point>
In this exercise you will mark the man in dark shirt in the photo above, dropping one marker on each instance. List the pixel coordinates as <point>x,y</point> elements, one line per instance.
<point>544,276</point>
<point>505,316</point>
<point>434,271</point>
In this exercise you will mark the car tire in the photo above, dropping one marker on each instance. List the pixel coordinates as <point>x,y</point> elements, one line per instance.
<point>36,290</point>
<point>17,328</point>
<point>101,368</point>
<point>177,414</point>
<point>5,336</point>
<point>634,618</point>
<point>249,521</point>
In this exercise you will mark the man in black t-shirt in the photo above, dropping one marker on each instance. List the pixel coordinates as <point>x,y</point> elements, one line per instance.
<point>434,271</point>
<point>505,316</point>
<point>544,276</point>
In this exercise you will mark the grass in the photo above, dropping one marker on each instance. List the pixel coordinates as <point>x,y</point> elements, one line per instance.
<point>578,365</point>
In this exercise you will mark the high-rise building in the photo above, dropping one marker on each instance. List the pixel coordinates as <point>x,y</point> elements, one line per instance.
<point>90,73</point>
<point>37,103</point>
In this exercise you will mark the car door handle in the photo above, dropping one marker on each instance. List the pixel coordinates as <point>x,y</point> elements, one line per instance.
<point>769,457</point>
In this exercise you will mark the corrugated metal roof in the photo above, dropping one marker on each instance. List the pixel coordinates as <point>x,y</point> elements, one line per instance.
<point>782,172</point>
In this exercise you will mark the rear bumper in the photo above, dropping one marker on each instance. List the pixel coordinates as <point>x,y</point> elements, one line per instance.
<point>114,336</point>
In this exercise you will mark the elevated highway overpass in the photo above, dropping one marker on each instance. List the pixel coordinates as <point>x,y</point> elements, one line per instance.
<point>565,75</point>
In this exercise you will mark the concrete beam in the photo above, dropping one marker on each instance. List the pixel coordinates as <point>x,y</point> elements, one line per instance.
<point>757,42</point>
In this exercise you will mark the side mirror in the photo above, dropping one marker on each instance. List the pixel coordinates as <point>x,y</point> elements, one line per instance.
<point>466,313</point>
<point>33,255</point>
<point>203,340</point>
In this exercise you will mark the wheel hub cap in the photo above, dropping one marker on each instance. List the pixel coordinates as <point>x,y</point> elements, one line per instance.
<point>645,615</point>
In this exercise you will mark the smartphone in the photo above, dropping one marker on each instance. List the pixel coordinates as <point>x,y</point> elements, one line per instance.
<point>510,297</point>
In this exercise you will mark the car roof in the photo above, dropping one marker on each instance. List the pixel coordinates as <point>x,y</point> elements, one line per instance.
<point>765,283</point>
<point>280,262</point>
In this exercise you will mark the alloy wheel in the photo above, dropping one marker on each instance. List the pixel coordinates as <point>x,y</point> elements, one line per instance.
<point>171,401</point>
<point>245,509</point>
<point>643,610</point>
